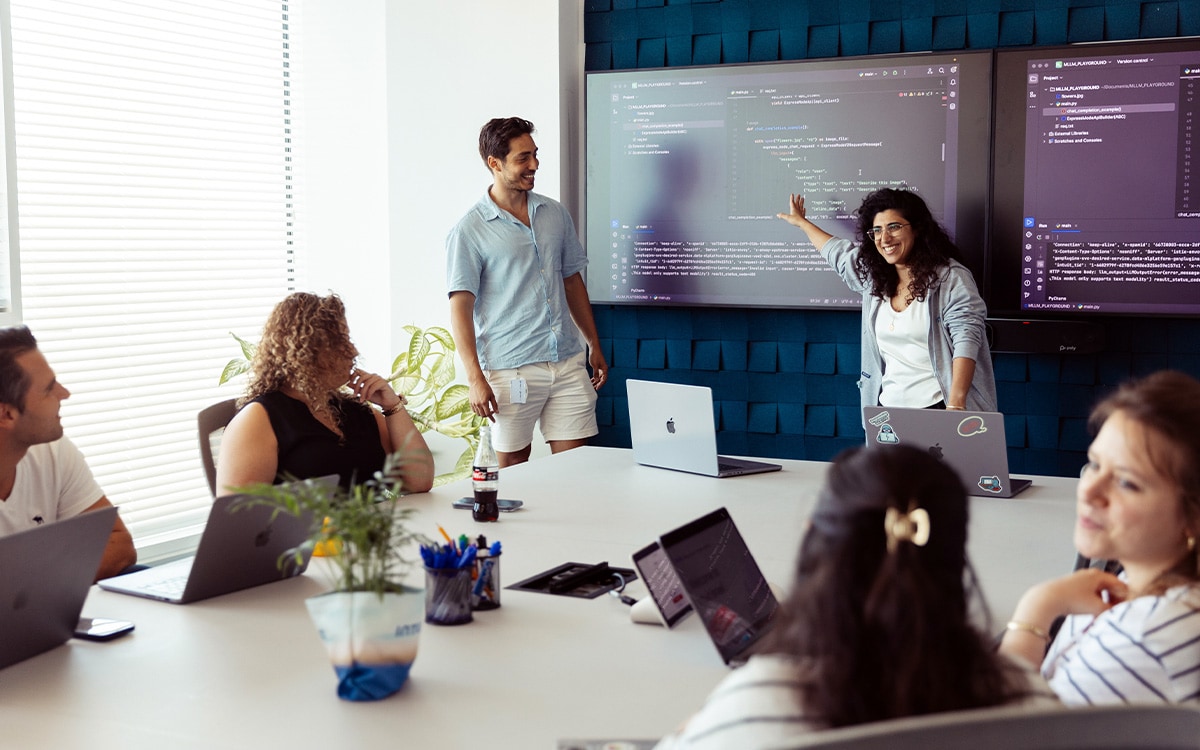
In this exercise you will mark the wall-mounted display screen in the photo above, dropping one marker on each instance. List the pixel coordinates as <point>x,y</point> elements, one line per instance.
<point>1097,182</point>
<point>687,168</point>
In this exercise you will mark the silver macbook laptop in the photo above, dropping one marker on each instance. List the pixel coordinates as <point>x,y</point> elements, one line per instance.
<point>723,582</point>
<point>48,571</point>
<point>972,442</point>
<point>238,549</point>
<point>672,427</point>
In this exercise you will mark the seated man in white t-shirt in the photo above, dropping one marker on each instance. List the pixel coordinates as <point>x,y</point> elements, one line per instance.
<point>43,476</point>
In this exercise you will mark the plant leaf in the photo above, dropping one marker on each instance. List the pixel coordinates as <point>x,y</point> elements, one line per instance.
<point>442,336</point>
<point>418,349</point>
<point>455,400</point>
<point>248,349</point>
<point>234,368</point>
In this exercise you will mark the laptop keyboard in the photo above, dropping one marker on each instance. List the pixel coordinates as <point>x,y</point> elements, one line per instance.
<point>170,587</point>
<point>167,580</point>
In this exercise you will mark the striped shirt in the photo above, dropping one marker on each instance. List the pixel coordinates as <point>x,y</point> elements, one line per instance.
<point>1145,650</point>
<point>756,706</point>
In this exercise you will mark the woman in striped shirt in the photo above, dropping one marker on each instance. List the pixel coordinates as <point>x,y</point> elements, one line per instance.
<point>877,624</point>
<point>1132,638</point>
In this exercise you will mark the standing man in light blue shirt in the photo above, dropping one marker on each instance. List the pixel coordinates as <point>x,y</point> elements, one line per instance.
<point>519,304</point>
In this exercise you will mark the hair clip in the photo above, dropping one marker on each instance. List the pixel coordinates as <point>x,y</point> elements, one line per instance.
<point>912,526</point>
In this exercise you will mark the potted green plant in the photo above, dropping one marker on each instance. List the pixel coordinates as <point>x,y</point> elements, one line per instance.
<point>371,620</point>
<point>425,373</point>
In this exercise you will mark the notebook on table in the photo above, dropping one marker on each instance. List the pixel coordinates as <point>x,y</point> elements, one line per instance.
<point>672,427</point>
<point>48,571</point>
<point>971,442</point>
<point>239,549</point>
<point>723,583</point>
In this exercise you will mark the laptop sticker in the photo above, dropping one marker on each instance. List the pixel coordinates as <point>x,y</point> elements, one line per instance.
<point>990,484</point>
<point>886,433</point>
<point>972,425</point>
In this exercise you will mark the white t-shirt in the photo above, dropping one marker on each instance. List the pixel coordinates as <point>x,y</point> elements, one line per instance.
<point>53,482</point>
<point>903,339</point>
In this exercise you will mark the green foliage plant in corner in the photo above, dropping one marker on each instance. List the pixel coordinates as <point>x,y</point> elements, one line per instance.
<point>424,372</point>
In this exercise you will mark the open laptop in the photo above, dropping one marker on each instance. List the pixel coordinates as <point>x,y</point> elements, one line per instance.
<point>48,571</point>
<point>971,442</point>
<point>667,597</point>
<point>239,549</point>
<point>672,427</point>
<point>723,582</point>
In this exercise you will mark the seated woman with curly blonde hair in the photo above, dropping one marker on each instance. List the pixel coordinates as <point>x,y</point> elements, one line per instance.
<point>307,411</point>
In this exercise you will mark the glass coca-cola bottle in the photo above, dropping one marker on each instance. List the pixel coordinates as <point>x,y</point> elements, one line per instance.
<point>485,478</point>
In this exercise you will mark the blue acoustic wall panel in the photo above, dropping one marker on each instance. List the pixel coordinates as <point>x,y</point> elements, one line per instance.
<point>785,381</point>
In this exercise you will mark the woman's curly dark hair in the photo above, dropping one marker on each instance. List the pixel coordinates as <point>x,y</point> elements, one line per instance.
<point>932,247</point>
<point>304,339</point>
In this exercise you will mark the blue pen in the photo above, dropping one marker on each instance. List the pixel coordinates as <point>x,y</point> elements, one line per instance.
<point>495,548</point>
<point>483,576</point>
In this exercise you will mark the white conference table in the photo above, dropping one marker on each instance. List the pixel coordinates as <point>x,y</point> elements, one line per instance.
<point>247,670</point>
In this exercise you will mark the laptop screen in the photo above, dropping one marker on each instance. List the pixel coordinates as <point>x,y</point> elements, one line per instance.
<point>724,583</point>
<point>663,583</point>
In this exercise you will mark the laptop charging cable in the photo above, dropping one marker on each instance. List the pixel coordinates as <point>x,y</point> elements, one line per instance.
<point>619,592</point>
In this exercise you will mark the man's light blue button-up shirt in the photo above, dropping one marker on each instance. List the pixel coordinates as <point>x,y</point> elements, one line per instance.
<point>516,274</point>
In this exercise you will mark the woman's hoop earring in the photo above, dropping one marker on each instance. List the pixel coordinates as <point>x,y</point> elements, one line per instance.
<point>1191,543</point>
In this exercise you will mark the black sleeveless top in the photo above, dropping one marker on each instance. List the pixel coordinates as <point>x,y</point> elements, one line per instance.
<point>309,449</point>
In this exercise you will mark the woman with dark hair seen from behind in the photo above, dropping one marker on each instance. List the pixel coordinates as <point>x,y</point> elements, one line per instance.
<point>1132,638</point>
<point>878,622</point>
<point>307,410</point>
<point>924,341</point>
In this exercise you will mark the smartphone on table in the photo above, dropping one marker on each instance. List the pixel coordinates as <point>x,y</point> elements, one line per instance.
<point>101,628</point>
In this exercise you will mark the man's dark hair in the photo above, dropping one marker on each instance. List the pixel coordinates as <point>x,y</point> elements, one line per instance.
<point>14,381</point>
<point>497,134</point>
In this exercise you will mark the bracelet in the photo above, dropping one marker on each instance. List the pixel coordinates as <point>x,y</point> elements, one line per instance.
<point>956,408</point>
<point>1024,627</point>
<point>399,405</point>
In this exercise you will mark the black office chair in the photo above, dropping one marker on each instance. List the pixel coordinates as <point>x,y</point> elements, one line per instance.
<point>1158,727</point>
<point>211,421</point>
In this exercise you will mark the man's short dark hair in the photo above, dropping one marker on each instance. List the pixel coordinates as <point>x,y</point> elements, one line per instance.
<point>14,381</point>
<point>497,134</point>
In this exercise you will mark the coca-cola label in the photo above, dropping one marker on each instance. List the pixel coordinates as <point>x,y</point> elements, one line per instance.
<point>481,474</point>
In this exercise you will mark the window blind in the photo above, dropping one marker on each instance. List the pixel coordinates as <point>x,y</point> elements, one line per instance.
<point>157,208</point>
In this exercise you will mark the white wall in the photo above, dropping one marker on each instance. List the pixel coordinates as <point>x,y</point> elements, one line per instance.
<point>452,67</point>
<point>394,94</point>
<point>341,74</point>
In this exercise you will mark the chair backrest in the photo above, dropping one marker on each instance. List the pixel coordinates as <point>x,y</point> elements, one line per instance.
<point>211,421</point>
<point>1157,727</point>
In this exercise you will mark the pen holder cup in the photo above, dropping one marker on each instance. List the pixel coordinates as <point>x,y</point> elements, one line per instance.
<point>485,590</point>
<point>448,595</point>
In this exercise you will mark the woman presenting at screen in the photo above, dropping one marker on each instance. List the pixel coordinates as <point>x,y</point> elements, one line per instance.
<point>923,339</point>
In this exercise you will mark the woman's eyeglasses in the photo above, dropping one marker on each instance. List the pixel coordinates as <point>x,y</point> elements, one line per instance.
<point>893,228</point>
